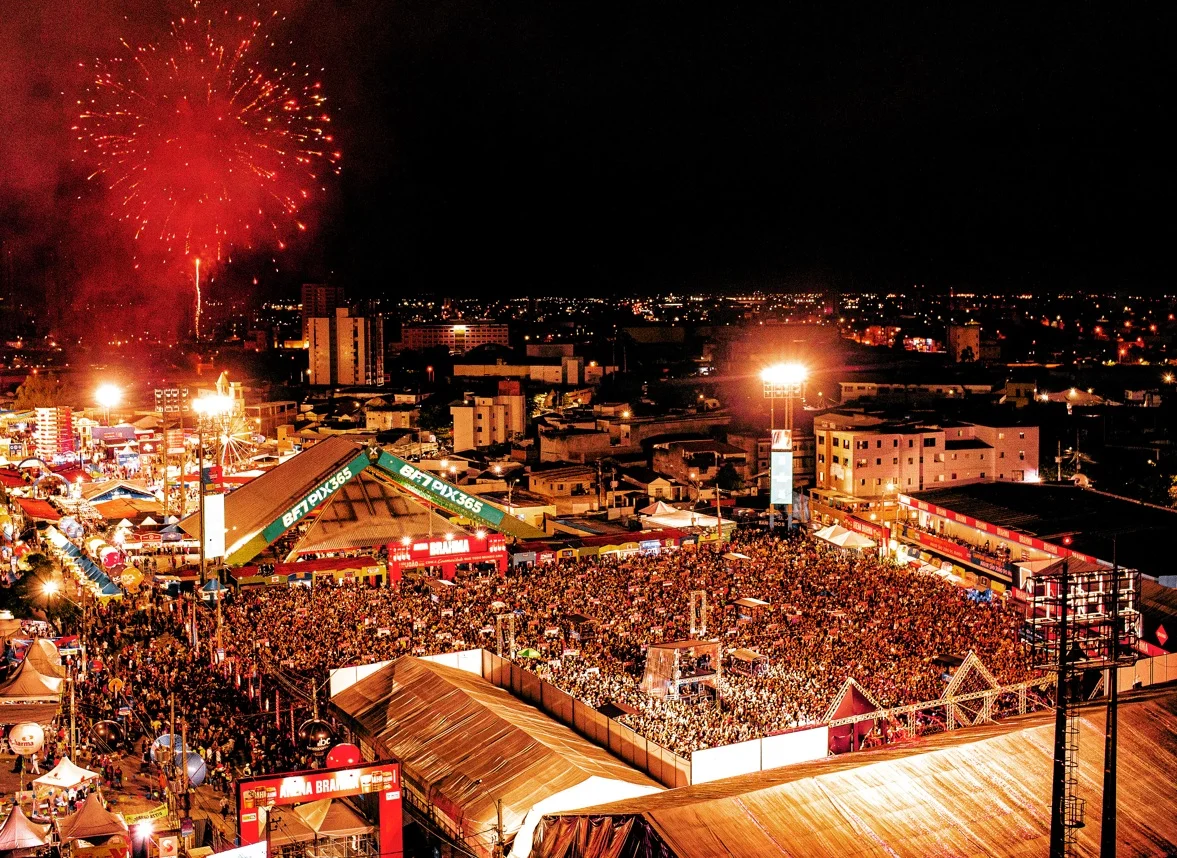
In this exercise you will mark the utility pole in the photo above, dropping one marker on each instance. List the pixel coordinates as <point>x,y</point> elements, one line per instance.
<point>1107,831</point>
<point>499,826</point>
<point>1059,795</point>
<point>73,720</point>
<point>718,517</point>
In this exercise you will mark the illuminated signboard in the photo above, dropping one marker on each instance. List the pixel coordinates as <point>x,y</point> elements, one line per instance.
<point>256,796</point>
<point>440,492</point>
<point>463,549</point>
<point>315,497</point>
<point>781,476</point>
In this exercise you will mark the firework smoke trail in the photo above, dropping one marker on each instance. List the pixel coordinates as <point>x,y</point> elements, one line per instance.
<point>203,146</point>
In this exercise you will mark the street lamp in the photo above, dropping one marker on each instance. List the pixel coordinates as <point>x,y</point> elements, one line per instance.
<point>108,396</point>
<point>782,380</point>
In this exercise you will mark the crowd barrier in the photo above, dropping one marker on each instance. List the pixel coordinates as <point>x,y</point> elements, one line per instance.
<point>1148,671</point>
<point>664,766</point>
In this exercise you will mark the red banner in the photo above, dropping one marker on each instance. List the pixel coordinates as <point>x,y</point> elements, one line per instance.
<point>256,795</point>
<point>941,545</point>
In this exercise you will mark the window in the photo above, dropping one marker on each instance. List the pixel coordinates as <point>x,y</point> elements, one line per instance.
<point>929,442</point>
<point>940,478</point>
<point>1021,436</point>
<point>954,457</point>
<point>910,460</point>
<point>910,443</point>
<point>1001,455</point>
<point>1022,455</point>
<point>982,475</point>
<point>861,463</point>
<point>863,483</point>
<point>894,460</point>
<point>878,443</point>
<point>982,457</point>
<point>845,443</point>
<point>909,481</point>
<point>954,475</point>
<point>1000,436</point>
<point>837,461</point>
<point>879,481</point>
<point>821,457</point>
<point>878,461</point>
<point>894,442</point>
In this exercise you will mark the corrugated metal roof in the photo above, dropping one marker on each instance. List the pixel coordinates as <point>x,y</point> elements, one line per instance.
<point>253,506</point>
<point>467,742</point>
<point>975,792</point>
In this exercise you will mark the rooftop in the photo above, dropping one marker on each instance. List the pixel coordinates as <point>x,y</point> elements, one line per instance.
<point>1100,524</point>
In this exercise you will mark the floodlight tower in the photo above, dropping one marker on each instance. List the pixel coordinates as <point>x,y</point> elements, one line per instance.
<point>1081,616</point>
<point>783,381</point>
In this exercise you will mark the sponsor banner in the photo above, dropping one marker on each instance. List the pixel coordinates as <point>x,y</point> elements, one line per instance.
<point>781,478</point>
<point>160,811</point>
<point>941,545</point>
<point>992,565</point>
<point>316,496</point>
<point>440,492</point>
<point>214,526</point>
<point>877,532</point>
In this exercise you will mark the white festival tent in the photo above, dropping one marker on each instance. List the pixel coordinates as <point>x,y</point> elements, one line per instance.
<point>18,833</point>
<point>844,538</point>
<point>65,775</point>
<point>658,508</point>
<point>684,518</point>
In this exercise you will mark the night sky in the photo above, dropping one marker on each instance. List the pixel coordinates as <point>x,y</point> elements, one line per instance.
<point>537,147</point>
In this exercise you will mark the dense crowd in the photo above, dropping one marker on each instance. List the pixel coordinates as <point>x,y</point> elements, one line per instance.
<point>148,650</point>
<point>832,615</point>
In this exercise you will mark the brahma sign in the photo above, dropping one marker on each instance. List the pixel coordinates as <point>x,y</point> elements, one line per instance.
<point>255,796</point>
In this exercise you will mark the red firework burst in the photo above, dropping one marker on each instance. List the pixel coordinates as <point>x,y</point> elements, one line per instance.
<point>202,148</point>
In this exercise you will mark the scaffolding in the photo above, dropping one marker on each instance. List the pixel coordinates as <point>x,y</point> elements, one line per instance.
<point>1081,617</point>
<point>698,613</point>
<point>505,635</point>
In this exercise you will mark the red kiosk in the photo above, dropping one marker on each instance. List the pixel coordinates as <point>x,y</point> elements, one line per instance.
<point>447,554</point>
<point>255,796</point>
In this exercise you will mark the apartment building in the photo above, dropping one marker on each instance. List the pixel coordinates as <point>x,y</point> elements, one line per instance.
<point>867,456</point>
<point>480,421</point>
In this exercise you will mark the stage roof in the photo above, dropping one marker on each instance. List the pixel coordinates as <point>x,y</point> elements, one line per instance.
<point>466,742</point>
<point>252,507</point>
<point>1050,511</point>
<point>981,791</point>
<point>369,512</point>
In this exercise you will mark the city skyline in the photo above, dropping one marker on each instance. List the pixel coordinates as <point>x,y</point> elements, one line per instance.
<point>520,151</point>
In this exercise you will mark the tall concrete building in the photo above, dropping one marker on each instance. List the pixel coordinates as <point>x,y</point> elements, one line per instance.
<point>346,350</point>
<point>54,435</point>
<point>319,301</point>
<point>480,421</point>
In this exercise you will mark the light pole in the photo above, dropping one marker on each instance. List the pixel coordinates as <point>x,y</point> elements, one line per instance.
<point>208,408</point>
<point>694,477</point>
<point>782,380</point>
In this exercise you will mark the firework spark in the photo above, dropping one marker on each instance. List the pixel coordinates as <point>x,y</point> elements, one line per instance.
<point>203,146</point>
